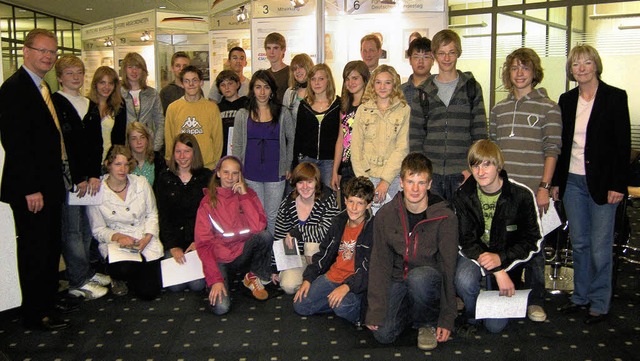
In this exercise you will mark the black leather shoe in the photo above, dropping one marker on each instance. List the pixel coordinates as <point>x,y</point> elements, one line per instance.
<point>67,306</point>
<point>593,319</point>
<point>47,323</point>
<point>570,307</point>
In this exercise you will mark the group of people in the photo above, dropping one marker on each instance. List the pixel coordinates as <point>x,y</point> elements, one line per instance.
<point>396,197</point>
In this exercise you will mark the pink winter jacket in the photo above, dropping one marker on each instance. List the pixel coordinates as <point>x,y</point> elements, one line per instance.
<point>221,232</point>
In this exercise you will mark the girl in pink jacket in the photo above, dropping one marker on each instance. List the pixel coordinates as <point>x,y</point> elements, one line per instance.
<point>230,232</point>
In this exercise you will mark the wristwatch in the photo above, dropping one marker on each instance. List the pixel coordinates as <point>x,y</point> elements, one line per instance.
<point>545,185</point>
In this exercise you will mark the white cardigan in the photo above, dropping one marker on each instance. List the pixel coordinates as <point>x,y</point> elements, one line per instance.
<point>134,216</point>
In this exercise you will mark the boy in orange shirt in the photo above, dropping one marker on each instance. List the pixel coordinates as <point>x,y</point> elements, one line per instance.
<point>336,280</point>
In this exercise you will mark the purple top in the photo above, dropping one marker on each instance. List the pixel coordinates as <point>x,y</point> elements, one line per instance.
<point>262,159</point>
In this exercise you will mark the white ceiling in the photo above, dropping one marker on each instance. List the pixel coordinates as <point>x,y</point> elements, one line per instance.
<point>75,10</point>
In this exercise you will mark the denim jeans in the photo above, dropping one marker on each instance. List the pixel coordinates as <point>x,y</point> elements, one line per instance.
<point>534,277</point>
<point>270,194</point>
<point>591,232</point>
<point>317,301</point>
<point>393,189</point>
<point>468,281</point>
<point>257,253</point>
<point>415,301</point>
<point>446,185</point>
<point>76,244</point>
<point>326,168</point>
<point>195,285</point>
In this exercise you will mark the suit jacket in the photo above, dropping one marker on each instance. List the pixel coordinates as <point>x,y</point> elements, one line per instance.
<point>608,144</point>
<point>32,143</point>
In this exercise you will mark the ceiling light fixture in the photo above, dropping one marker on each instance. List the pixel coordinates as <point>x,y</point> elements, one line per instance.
<point>298,3</point>
<point>108,42</point>
<point>145,36</point>
<point>242,14</point>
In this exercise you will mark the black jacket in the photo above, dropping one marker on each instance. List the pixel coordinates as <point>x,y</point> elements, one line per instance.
<point>75,140</point>
<point>177,206</point>
<point>608,145</point>
<point>313,139</point>
<point>33,160</point>
<point>326,256</point>
<point>93,131</point>
<point>515,230</point>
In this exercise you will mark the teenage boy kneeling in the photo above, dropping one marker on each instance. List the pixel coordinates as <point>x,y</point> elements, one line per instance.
<point>336,280</point>
<point>499,232</point>
<point>413,261</point>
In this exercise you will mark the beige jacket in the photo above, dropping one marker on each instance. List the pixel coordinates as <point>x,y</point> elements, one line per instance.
<point>380,141</point>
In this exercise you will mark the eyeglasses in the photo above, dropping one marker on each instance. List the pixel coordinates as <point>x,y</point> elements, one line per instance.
<point>43,51</point>
<point>442,54</point>
<point>422,57</point>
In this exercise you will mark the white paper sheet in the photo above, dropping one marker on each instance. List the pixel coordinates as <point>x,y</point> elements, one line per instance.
<point>174,273</point>
<point>491,305</point>
<point>284,262</point>
<point>117,254</point>
<point>550,220</point>
<point>87,200</point>
<point>9,282</point>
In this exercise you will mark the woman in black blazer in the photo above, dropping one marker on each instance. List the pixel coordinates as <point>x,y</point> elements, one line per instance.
<point>591,176</point>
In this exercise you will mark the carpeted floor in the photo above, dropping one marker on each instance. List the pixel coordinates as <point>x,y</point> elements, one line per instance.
<point>177,327</point>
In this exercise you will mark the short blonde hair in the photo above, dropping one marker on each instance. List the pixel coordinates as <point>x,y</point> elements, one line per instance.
<point>587,52</point>
<point>443,38</point>
<point>396,93</point>
<point>485,150</point>
<point>68,61</point>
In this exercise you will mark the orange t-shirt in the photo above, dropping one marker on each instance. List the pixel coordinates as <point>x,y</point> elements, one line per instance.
<point>343,267</point>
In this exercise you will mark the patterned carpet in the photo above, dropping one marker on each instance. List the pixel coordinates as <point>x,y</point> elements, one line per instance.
<point>177,327</point>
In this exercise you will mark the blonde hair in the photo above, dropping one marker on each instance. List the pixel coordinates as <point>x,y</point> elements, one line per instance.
<point>586,52</point>
<point>310,96</point>
<point>134,59</point>
<point>396,93</point>
<point>142,129</point>
<point>68,61</point>
<point>302,61</point>
<point>485,150</point>
<point>215,181</point>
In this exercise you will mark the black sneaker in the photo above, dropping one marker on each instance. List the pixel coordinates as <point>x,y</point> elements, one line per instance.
<point>467,330</point>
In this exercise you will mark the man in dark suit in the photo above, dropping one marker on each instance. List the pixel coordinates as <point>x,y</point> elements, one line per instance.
<point>32,181</point>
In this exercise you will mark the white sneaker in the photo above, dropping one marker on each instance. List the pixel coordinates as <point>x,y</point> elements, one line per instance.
<point>101,279</point>
<point>536,313</point>
<point>89,291</point>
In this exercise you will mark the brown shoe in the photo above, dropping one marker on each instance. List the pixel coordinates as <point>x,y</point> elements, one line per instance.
<point>253,283</point>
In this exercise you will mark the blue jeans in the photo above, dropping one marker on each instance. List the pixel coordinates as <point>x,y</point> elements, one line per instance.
<point>393,189</point>
<point>195,285</point>
<point>591,231</point>
<point>317,301</point>
<point>468,281</point>
<point>257,253</point>
<point>270,194</point>
<point>534,277</point>
<point>446,185</point>
<point>415,301</point>
<point>326,168</point>
<point>76,244</point>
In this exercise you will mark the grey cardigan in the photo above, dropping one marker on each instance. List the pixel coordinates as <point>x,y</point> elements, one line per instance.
<point>287,132</point>
<point>150,114</point>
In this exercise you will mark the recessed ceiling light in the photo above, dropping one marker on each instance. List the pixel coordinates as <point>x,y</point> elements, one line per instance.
<point>89,9</point>
<point>162,7</point>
